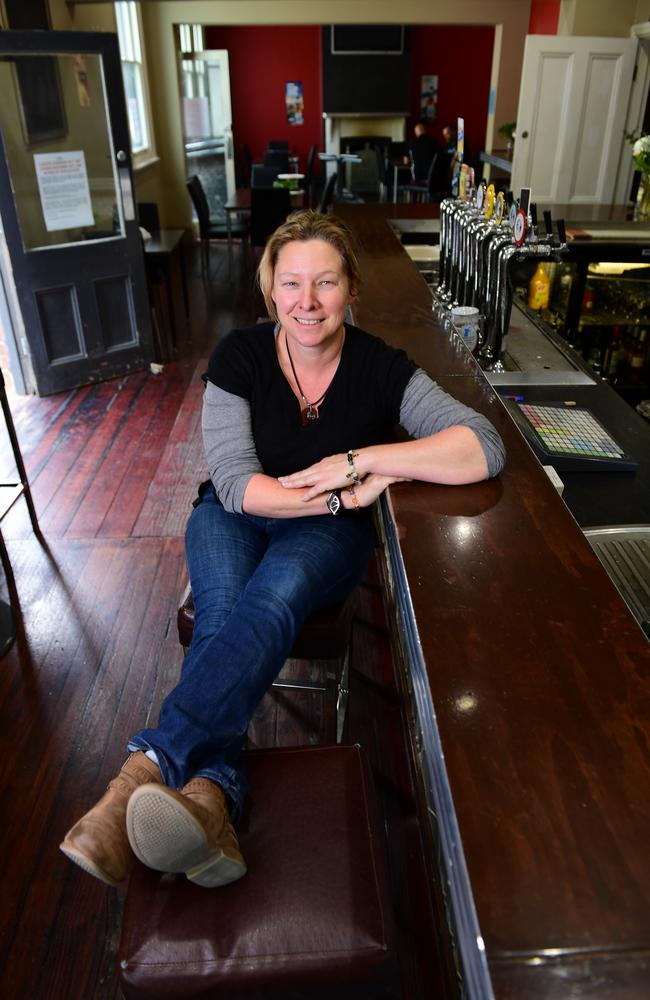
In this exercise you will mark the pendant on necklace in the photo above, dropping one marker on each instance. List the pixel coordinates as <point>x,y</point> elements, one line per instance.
<point>308,414</point>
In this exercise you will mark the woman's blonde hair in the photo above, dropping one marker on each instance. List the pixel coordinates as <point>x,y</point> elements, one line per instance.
<point>300,227</point>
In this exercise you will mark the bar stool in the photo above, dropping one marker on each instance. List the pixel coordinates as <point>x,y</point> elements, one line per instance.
<point>325,635</point>
<point>310,920</point>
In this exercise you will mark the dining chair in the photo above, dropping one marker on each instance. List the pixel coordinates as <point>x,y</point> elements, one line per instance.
<point>277,159</point>
<point>308,180</point>
<point>210,229</point>
<point>263,177</point>
<point>269,209</point>
<point>429,189</point>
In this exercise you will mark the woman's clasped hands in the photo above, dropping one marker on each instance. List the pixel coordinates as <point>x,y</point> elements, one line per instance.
<point>336,472</point>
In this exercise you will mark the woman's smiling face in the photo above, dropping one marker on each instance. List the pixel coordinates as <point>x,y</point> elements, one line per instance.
<point>311,291</point>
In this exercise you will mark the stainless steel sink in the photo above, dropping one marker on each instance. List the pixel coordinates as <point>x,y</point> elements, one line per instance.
<point>625,553</point>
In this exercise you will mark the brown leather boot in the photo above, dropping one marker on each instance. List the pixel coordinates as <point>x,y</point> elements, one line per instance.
<point>187,831</point>
<point>98,841</point>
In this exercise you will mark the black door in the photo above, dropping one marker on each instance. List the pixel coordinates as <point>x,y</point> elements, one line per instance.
<point>67,207</point>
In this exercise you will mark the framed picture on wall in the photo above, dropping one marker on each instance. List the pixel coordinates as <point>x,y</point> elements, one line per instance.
<point>429,98</point>
<point>40,99</point>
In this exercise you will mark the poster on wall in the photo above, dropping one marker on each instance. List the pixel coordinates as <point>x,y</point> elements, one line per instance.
<point>63,187</point>
<point>294,102</point>
<point>429,98</point>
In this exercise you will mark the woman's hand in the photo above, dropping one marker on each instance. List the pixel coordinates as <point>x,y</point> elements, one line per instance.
<point>368,491</point>
<point>329,474</point>
<point>333,473</point>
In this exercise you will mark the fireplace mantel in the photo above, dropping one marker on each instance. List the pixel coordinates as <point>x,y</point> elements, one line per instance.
<point>362,123</point>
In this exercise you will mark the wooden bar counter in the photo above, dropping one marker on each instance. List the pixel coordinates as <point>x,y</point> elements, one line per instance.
<point>525,681</point>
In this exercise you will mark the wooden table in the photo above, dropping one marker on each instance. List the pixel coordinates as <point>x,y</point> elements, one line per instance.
<point>525,687</point>
<point>164,258</point>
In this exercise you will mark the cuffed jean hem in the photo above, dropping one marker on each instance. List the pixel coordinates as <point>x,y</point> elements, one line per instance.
<point>233,782</point>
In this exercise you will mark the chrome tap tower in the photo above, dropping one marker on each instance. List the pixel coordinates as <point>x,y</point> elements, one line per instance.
<point>478,247</point>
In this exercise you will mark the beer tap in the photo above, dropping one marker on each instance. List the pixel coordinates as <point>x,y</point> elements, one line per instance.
<point>551,250</point>
<point>442,295</point>
<point>502,238</point>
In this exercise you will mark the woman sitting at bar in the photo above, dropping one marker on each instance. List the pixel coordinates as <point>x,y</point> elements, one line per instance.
<point>296,419</point>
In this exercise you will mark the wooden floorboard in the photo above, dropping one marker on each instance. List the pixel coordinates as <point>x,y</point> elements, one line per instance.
<point>114,468</point>
<point>180,467</point>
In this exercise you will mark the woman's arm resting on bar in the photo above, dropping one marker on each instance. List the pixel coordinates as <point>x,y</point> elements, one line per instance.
<point>454,445</point>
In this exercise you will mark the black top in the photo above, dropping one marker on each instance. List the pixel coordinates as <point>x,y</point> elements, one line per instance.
<point>361,407</point>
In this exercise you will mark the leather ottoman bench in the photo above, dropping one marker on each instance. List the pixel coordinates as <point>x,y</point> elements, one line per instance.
<point>312,918</point>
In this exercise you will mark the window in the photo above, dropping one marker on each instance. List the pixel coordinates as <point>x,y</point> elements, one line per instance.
<point>127,15</point>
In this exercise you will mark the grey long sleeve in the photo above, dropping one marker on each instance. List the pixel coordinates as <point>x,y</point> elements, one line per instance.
<point>427,409</point>
<point>229,446</point>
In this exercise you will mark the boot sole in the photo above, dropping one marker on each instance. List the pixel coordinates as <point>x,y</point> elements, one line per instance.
<point>166,837</point>
<point>163,835</point>
<point>87,865</point>
<point>216,871</point>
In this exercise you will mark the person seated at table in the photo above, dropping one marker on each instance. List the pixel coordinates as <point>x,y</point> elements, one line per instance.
<point>422,149</point>
<point>298,419</point>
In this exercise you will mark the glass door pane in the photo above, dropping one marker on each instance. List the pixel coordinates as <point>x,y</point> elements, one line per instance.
<point>56,129</point>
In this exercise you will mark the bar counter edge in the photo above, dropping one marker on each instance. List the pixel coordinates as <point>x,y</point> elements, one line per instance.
<point>524,681</point>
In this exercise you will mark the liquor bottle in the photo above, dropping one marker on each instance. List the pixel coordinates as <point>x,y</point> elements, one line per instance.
<point>588,298</point>
<point>562,291</point>
<point>539,289</point>
<point>613,353</point>
<point>638,353</point>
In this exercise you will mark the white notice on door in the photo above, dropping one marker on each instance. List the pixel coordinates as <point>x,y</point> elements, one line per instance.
<point>63,187</point>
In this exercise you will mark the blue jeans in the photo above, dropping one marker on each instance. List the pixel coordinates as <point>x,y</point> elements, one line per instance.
<point>254,581</point>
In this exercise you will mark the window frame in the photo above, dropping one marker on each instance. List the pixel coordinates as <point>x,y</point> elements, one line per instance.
<point>133,52</point>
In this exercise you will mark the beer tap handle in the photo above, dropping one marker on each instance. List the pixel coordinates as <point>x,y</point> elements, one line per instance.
<point>533,222</point>
<point>561,231</point>
<point>548,223</point>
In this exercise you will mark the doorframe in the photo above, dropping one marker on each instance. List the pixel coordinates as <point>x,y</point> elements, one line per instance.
<point>635,112</point>
<point>228,141</point>
<point>12,330</point>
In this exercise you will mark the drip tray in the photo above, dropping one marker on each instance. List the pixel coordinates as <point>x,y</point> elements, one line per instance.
<point>625,554</point>
<point>532,358</point>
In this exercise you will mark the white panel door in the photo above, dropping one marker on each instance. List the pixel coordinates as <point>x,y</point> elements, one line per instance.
<point>571,117</point>
<point>218,78</point>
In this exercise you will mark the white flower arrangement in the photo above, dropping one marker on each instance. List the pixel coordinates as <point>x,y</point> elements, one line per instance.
<point>641,152</point>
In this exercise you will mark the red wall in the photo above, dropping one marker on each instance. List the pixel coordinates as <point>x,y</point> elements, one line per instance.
<point>261,60</point>
<point>544,16</point>
<point>462,59</point>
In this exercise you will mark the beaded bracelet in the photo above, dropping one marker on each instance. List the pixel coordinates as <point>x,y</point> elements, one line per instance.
<point>353,474</point>
<point>355,499</point>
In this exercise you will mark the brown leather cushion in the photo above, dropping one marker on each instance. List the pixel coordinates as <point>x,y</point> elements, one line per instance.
<point>311,918</point>
<point>325,635</point>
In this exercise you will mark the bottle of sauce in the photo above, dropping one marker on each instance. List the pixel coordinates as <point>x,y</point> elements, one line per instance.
<point>539,289</point>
